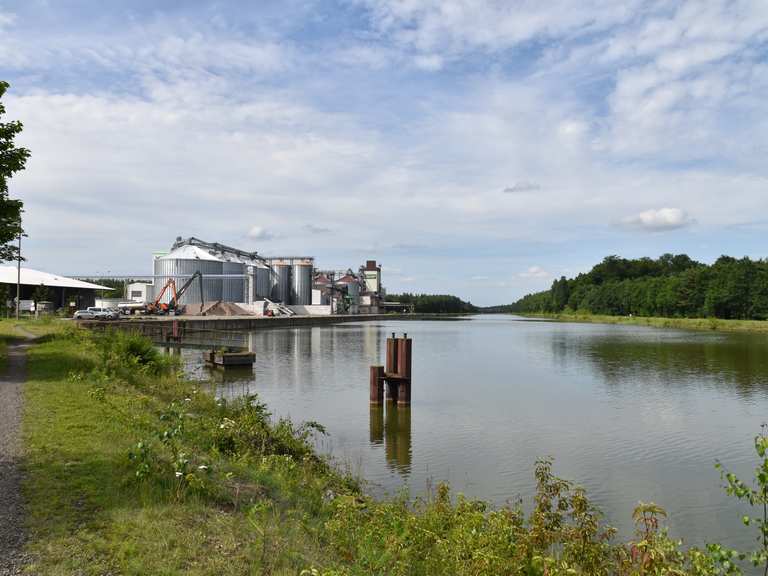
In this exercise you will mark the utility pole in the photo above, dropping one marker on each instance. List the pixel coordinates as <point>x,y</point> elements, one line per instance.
<point>18,280</point>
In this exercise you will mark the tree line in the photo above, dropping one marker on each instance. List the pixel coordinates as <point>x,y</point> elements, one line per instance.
<point>671,285</point>
<point>434,303</point>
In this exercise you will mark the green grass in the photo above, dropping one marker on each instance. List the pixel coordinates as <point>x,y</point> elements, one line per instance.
<point>12,330</point>
<point>657,322</point>
<point>90,514</point>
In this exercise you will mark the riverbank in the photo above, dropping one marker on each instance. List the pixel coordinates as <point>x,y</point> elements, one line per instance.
<point>133,470</point>
<point>658,322</point>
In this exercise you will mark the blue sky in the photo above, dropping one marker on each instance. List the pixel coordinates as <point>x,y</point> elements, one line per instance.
<point>475,148</point>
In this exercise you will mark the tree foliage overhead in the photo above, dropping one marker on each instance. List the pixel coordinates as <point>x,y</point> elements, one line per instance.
<point>434,303</point>
<point>672,285</point>
<point>12,160</point>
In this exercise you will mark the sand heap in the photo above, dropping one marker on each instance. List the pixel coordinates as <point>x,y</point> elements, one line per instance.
<point>215,309</point>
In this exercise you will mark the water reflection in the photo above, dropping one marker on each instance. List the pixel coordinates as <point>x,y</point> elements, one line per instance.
<point>391,426</point>
<point>733,362</point>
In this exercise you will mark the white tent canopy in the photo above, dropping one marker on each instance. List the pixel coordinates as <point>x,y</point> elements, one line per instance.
<point>29,277</point>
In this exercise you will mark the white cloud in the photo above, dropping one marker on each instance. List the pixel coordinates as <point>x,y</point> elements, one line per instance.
<point>260,233</point>
<point>430,62</point>
<point>522,186</point>
<point>367,55</point>
<point>659,220</point>
<point>314,229</point>
<point>148,50</point>
<point>535,272</point>
<point>453,26</point>
<point>6,19</point>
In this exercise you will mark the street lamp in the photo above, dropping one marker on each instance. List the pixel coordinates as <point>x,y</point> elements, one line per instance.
<point>18,280</point>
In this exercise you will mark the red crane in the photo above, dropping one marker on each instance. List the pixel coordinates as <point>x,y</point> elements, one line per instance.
<point>161,308</point>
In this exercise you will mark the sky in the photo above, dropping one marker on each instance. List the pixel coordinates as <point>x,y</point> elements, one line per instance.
<point>474,148</point>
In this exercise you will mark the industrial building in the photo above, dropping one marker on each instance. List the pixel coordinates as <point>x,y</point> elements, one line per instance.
<point>261,284</point>
<point>60,291</point>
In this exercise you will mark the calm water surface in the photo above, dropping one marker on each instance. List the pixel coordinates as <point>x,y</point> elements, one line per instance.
<point>630,413</point>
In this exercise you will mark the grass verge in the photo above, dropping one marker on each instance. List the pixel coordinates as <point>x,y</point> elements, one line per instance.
<point>134,473</point>
<point>132,470</point>
<point>12,330</point>
<point>658,322</point>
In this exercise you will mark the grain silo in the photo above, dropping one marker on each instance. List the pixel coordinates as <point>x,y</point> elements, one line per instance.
<point>232,285</point>
<point>281,283</point>
<point>263,282</point>
<point>180,264</point>
<point>301,283</point>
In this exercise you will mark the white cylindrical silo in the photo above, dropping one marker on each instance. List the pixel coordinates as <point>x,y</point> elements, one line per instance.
<point>301,284</point>
<point>232,287</point>
<point>281,283</point>
<point>263,283</point>
<point>180,265</point>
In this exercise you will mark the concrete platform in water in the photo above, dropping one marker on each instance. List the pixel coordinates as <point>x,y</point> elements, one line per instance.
<point>175,328</point>
<point>230,359</point>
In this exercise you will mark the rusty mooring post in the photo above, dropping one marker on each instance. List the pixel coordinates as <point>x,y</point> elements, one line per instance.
<point>396,375</point>
<point>392,389</point>
<point>392,350</point>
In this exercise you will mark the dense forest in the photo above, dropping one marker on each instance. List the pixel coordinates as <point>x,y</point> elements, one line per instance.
<point>672,285</point>
<point>434,303</point>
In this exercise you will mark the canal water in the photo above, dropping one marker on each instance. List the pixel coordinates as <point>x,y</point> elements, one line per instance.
<point>629,413</point>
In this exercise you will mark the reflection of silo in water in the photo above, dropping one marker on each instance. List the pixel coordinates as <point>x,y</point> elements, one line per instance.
<point>372,338</point>
<point>303,343</point>
<point>397,437</point>
<point>301,358</point>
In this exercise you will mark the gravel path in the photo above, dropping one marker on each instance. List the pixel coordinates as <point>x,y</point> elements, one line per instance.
<point>12,557</point>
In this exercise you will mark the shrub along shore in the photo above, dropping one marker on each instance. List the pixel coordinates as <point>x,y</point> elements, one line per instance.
<point>656,322</point>
<point>131,469</point>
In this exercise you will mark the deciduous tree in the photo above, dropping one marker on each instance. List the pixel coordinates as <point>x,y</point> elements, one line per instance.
<point>12,160</point>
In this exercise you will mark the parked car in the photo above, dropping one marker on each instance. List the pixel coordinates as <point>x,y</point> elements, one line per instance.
<point>85,315</point>
<point>105,313</point>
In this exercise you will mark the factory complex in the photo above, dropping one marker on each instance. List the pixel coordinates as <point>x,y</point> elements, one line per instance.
<point>197,277</point>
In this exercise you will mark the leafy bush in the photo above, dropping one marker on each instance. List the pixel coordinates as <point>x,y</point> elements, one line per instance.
<point>129,356</point>
<point>245,429</point>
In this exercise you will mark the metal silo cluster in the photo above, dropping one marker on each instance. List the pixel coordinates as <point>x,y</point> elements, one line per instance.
<point>233,275</point>
<point>291,280</point>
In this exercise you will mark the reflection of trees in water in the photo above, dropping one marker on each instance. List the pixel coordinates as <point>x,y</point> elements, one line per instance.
<point>391,426</point>
<point>732,361</point>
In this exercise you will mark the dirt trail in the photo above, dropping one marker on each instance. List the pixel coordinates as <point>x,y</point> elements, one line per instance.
<point>12,557</point>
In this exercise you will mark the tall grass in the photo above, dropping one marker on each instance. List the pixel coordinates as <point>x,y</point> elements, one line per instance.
<point>659,322</point>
